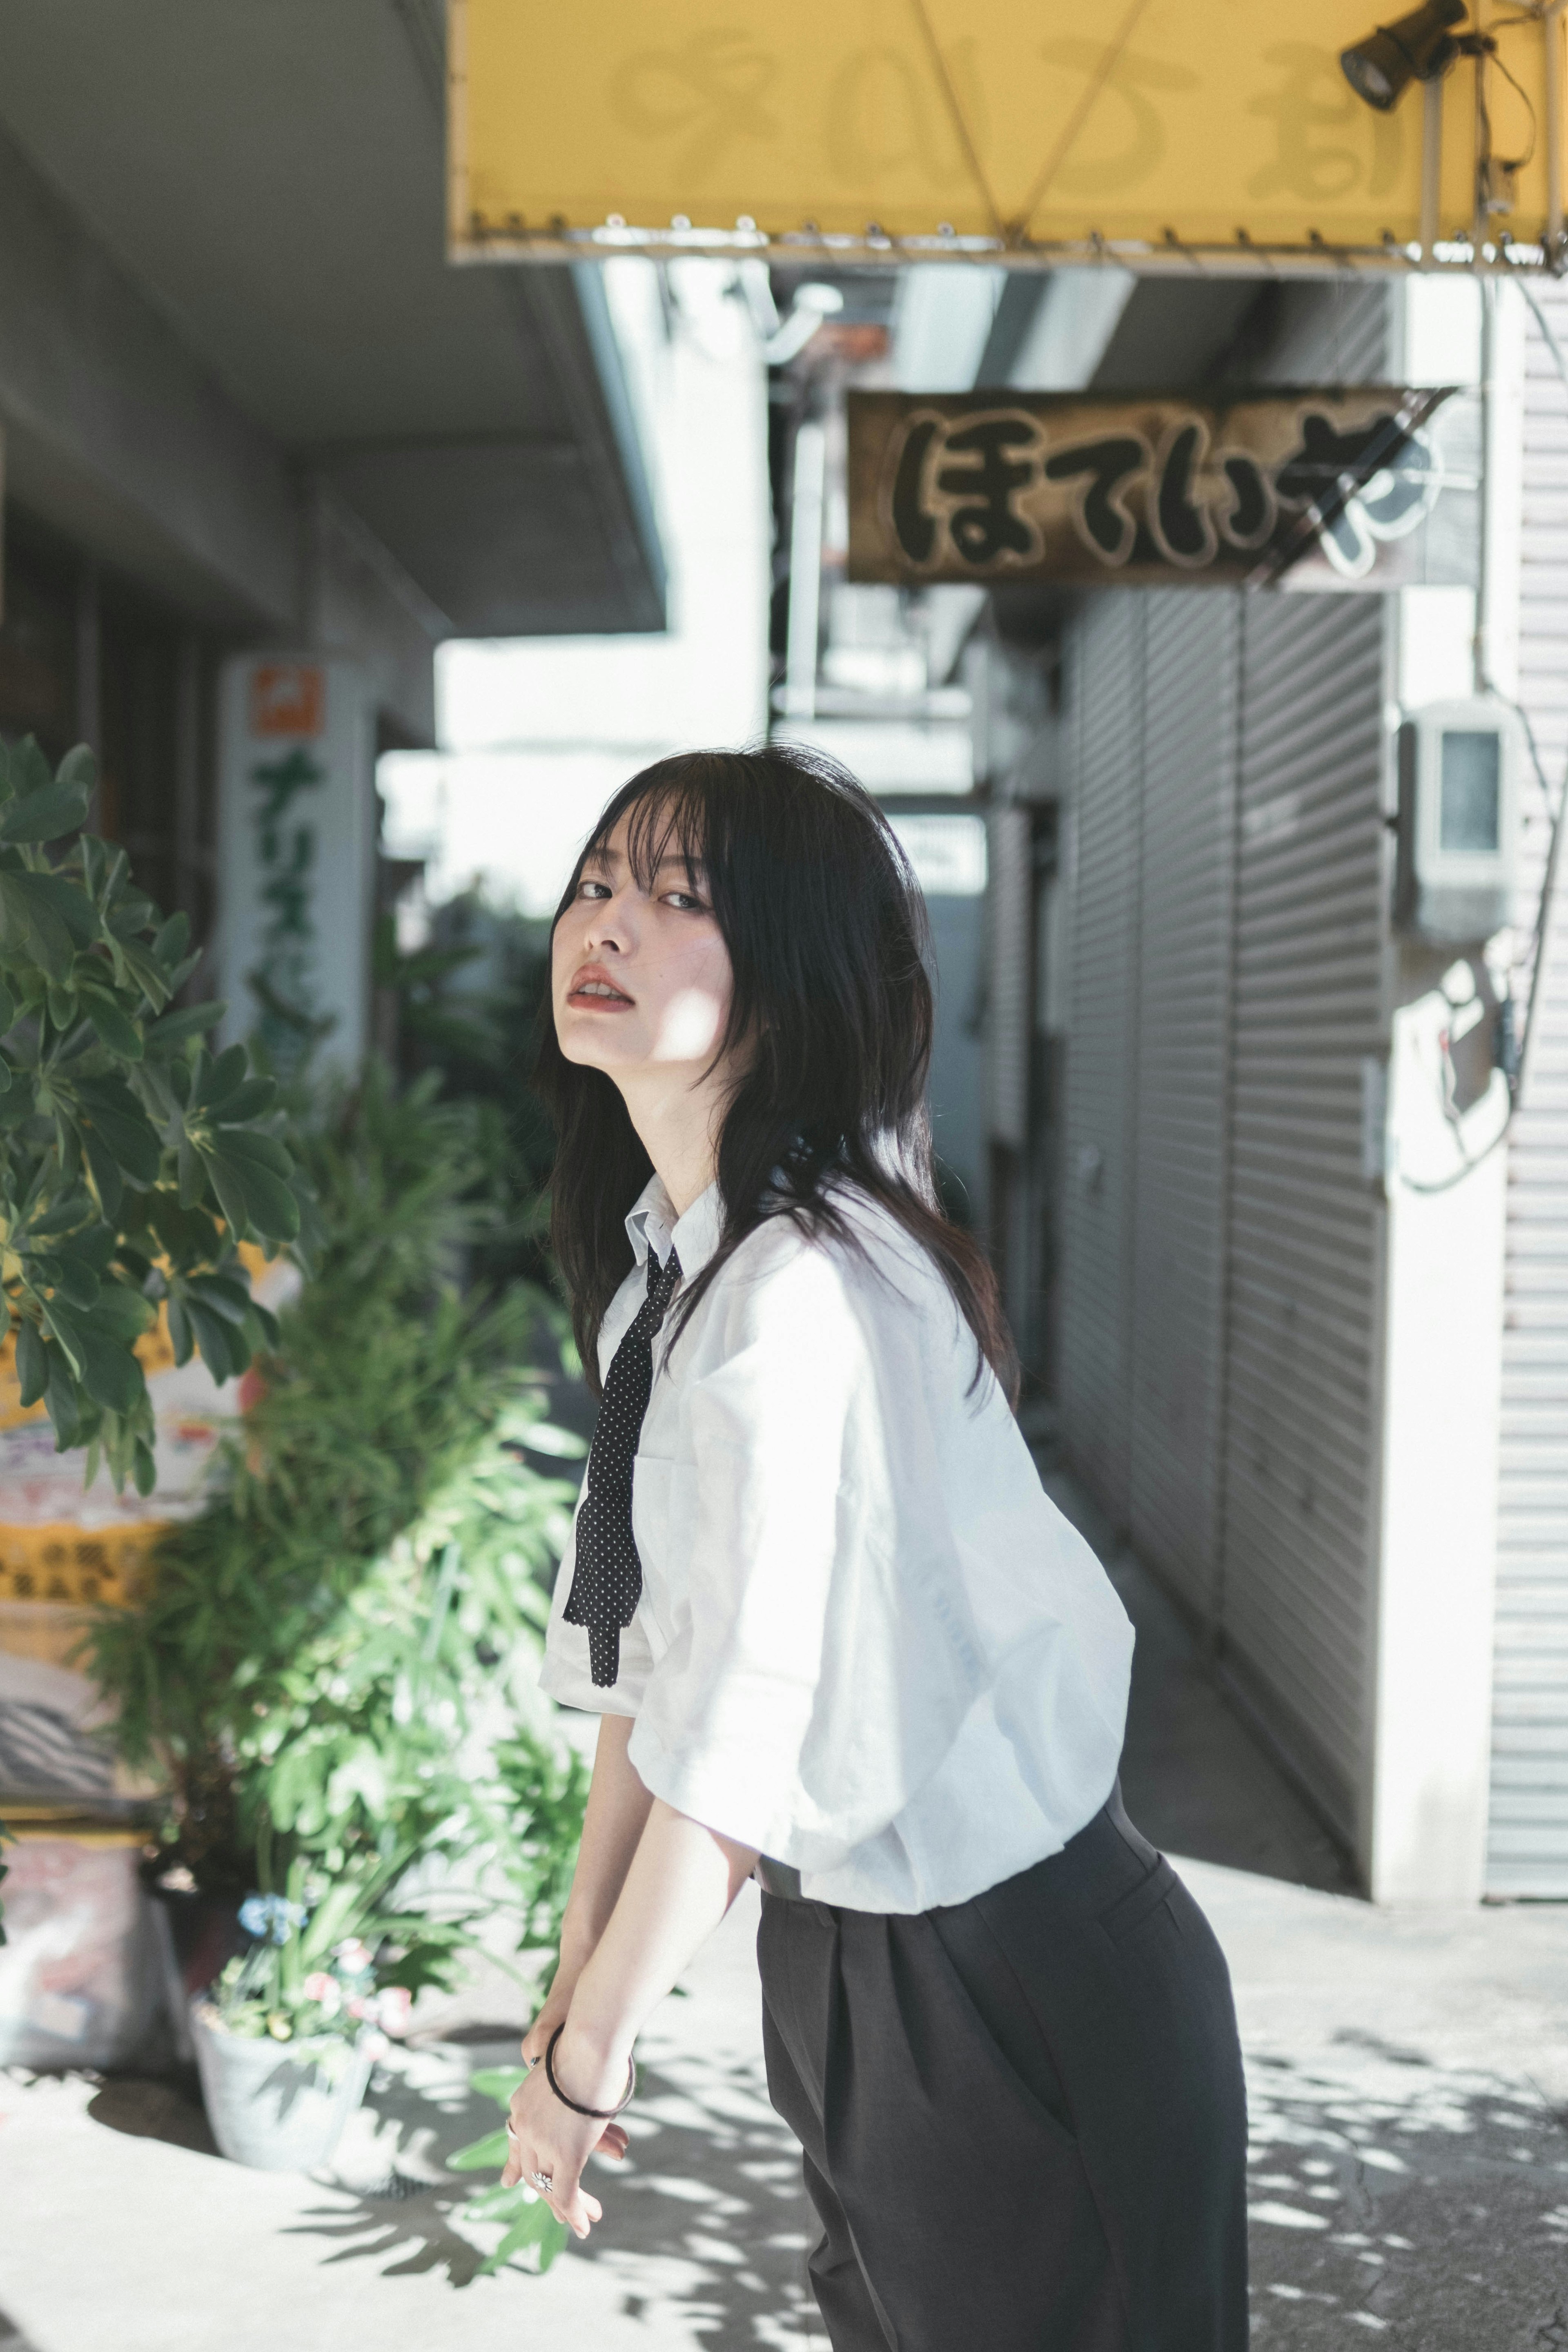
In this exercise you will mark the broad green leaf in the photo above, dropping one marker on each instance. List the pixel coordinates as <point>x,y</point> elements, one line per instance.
<point>267,1322</point>
<point>133,1142</point>
<point>144,1468</point>
<point>252,1100</point>
<point>32,1363</point>
<point>214,1338</point>
<point>44,816</point>
<point>63,1327</point>
<point>249,1145</point>
<point>192,1171</point>
<point>147,972</point>
<point>114,1030</point>
<point>498,2204</point>
<point>4,1075</point>
<point>252,1199</point>
<point>172,940</point>
<point>480,2155</point>
<point>109,1372</point>
<point>106,1176</point>
<point>78,768</point>
<point>30,772</point>
<point>223,1295</point>
<point>552,2241</point>
<point>77,1284</point>
<point>164,1034</point>
<point>121,1314</point>
<point>60,1399</point>
<point>228,1072</point>
<point>70,902</point>
<point>31,929</point>
<point>498,2083</point>
<point>7,1009</point>
<point>181,1336</point>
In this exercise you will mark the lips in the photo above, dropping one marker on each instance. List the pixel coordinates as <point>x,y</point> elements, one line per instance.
<point>592,988</point>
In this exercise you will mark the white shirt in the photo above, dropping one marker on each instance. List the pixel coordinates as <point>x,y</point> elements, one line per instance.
<point>868,1643</point>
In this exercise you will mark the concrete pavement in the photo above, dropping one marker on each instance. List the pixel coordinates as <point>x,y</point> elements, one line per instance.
<point>1408,2081</point>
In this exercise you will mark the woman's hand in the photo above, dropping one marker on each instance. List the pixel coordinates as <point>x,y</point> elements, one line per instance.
<point>547,2137</point>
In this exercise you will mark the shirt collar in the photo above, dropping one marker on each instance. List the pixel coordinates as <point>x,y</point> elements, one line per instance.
<point>653,1225</point>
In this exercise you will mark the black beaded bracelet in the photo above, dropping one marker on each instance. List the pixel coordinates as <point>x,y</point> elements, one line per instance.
<point>600,2114</point>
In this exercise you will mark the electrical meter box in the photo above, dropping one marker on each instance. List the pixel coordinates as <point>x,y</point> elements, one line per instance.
<point>1458,820</point>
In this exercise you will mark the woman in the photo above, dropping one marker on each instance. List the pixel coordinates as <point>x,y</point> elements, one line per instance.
<point>836,1634</point>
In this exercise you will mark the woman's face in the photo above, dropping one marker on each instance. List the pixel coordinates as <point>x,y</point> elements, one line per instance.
<point>640,980</point>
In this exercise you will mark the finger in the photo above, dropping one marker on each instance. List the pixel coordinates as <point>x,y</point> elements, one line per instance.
<point>613,2141</point>
<point>511,2170</point>
<point>579,2213</point>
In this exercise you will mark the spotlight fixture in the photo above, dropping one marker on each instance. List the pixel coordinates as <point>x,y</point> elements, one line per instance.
<point>1418,47</point>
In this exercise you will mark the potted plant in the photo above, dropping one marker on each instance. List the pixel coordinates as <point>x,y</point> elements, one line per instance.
<point>337,1666</point>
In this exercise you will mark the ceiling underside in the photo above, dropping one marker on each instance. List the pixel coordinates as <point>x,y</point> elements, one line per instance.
<point>270,171</point>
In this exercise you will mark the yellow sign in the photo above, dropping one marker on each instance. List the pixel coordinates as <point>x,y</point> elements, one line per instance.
<point>1154,128</point>
<point>61,1561</point>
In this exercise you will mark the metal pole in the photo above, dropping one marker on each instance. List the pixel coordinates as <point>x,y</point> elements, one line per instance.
<point>1480,169</point>
<point>805,571</point>
<point>1551,34</point>
<point>1484,566</point>
<point>1431,165</point>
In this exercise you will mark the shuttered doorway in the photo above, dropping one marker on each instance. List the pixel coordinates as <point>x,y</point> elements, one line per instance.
<point>1301,1442</point>
<point>1104,753</point>
<point>1188,821</point>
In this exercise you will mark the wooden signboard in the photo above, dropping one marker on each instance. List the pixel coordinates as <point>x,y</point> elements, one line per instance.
<point>1006,488</point>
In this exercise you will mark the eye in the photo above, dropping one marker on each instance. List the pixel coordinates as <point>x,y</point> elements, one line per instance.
<point>684,901</point>
<point>587,888</point>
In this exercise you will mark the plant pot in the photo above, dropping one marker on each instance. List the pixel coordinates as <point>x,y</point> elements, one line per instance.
<point>196,1933</point>
<point>273,2104</point>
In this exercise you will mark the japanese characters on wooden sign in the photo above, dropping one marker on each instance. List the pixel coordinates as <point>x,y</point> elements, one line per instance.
<point>295,845</point>
<point>1327,487</point>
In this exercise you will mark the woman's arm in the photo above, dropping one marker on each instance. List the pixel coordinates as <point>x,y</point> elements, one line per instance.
<point>617,1811</point>
<point>682,1880</point>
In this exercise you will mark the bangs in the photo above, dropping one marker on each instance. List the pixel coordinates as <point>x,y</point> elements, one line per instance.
<point>667,816</point>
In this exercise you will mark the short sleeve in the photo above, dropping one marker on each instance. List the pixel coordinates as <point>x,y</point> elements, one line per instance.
<point>824,1661</point>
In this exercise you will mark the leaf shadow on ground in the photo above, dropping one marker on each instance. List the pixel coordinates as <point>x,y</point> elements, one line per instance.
<point>707,2224</point>
<point>1395,2199</point>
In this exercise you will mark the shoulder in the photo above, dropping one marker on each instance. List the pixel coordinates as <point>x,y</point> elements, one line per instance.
<point>855,1275</point>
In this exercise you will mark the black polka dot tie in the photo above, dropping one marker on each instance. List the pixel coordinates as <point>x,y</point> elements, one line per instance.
<point>606,1584</point>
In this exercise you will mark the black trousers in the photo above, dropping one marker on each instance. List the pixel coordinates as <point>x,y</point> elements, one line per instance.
<point>1022,2117</point>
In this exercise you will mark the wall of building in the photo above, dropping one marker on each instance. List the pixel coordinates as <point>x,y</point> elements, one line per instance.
<point>1529,1811</point>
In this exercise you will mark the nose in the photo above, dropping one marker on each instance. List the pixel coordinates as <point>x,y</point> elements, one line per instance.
<point>607,928</point>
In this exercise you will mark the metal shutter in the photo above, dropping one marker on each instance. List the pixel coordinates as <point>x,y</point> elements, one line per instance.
<point>1010,889</point>
<point>1104,733</point>
<point>1299,1507</point>
<point>1188,854</point>
<point>1528,1848</point>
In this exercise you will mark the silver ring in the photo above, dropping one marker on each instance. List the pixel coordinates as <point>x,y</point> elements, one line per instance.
<point>545,2180</point>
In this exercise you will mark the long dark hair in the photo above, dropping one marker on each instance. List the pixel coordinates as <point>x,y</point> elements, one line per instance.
<point>825,928</point>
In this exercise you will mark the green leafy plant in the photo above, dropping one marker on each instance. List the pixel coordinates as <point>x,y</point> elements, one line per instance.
<point>132,1161</point>
<point>527,2219</point>
<point>337,1665</point>
<point>323,1973</point>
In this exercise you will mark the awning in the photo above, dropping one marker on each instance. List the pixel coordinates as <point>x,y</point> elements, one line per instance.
<point>1155,133</point>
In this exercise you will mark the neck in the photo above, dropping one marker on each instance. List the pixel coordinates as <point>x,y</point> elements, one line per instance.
<point>678,1124</point>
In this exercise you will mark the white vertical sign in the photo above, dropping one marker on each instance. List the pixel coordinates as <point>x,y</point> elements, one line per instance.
<point>295,849</point>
